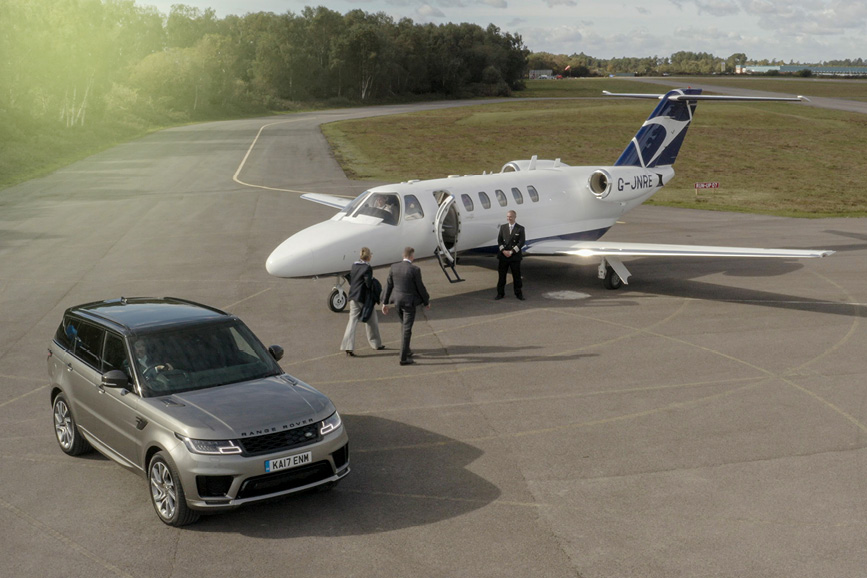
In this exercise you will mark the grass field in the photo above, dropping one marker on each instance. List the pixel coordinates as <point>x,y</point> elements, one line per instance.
<point>783,159</point>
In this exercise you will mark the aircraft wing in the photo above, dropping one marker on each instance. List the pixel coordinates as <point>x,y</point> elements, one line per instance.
<point>614,249</point>
<point>328,200</point>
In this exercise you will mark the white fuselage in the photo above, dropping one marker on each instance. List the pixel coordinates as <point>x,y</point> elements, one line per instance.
<point>552,201</point>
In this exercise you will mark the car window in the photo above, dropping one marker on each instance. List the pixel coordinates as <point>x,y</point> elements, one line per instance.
<point>65,334</point>
<point>200,357</point>
<point>114,355</point>
<point>468,202</point>
<point>86,342</point>
<point>534,195</point>
<point>519,198</point>
<point>501,197</point>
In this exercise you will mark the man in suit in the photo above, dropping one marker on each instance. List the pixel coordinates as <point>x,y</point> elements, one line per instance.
<point>404,279</point>
<point>510,241</point>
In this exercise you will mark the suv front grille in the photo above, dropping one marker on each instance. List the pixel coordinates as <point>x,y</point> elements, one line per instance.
<point>286,480</point>
<point>280,441</point>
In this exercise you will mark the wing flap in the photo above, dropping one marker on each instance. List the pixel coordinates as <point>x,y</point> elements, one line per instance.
<point>614,249</point>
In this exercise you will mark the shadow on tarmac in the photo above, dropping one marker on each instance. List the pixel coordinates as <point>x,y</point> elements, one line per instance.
<point>402,476</point>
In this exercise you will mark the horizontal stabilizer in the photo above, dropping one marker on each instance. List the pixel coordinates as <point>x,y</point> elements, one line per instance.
<point>695,97</point>
<point>602,249</point>
<point>329,200</point>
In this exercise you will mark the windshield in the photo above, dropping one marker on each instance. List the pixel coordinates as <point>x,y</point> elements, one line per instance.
<point>200,357</point>
<point>350,208</point>
<point>382,206</point>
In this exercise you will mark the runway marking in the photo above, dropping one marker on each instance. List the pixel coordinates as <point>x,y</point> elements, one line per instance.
<point>253,296</point>
<point>236,176</point>
<point>23,395</point>
<point>59,460</point>
<point>649,389</point>
<point>48,530</point>
<point>566,427</point>
<point>769,375</point>
<point>448,499</point>
<point>250,150</point>
<point>452,369</point>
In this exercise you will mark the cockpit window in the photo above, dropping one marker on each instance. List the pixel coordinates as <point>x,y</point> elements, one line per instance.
<point>350,208</point>
<point>385,206</point>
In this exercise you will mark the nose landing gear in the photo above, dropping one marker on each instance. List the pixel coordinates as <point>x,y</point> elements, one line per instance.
<point>337,299</point>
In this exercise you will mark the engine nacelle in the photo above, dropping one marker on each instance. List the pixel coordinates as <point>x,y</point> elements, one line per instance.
<point>622,184</point>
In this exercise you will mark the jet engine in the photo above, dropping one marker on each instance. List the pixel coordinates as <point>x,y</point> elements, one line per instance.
<point>622,184</point>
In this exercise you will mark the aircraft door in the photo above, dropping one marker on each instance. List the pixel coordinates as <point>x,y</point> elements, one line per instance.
<point>447,225</point>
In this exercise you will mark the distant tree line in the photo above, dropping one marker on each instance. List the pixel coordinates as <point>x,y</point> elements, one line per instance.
<point>73,61</point>
<point>678,63</point>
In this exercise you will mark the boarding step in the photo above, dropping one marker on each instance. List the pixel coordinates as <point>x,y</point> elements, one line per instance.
<point>447,263</point>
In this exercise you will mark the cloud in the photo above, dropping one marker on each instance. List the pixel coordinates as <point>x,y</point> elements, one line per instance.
<point>717,7</point>
<point>426,11</point>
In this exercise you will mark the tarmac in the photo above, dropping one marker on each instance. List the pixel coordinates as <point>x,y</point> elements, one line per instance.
<point>708,419</point>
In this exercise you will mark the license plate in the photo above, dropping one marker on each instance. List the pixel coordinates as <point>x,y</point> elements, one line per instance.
<point>288,462</point>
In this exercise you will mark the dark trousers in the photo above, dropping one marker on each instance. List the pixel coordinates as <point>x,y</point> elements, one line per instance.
<point>407,318</point>
<point>504,266</point>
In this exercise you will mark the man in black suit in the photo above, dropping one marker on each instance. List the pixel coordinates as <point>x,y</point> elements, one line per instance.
<point>510,241</point>
<point>404,279</point>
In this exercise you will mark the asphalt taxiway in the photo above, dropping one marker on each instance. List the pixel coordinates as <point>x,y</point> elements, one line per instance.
<point>709,419</point>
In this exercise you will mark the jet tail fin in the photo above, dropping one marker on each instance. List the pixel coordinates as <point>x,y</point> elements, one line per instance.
<point>659,139</point>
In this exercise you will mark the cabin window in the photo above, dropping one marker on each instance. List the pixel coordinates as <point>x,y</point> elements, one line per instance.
<point>519,198</point>
<point>468,202</point>
<point>485,200</point>
<point>413,208</point>
<point>534,195</point>
<point>501,197</point>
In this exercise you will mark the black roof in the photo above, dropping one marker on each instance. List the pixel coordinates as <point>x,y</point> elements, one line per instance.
<point>144,313</point>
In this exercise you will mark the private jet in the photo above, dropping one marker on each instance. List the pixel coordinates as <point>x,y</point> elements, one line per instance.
<point>565,210</point>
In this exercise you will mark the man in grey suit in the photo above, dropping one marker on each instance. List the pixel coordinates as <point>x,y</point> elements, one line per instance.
<point>404,279</point>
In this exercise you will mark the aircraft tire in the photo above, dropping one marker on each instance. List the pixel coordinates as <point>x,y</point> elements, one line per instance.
<point>612,279</point>
<point>337,301</point>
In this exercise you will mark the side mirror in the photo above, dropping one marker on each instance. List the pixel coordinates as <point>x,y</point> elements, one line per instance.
<point>115,378</point>
<point>276,352</point>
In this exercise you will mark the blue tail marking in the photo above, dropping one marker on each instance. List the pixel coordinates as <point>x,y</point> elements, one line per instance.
<point>659,139</point>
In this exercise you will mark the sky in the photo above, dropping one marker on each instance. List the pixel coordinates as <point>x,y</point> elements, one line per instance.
<point>803,31</point>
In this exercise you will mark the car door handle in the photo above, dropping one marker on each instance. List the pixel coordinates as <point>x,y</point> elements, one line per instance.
<point>68,367</point>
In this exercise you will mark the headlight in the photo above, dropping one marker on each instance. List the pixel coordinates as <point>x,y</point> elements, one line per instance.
<point>210,447</point>
<point>330,424</point>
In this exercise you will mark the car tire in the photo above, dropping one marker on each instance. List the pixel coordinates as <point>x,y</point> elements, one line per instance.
<point>167,493</point>
<point>68,437</point>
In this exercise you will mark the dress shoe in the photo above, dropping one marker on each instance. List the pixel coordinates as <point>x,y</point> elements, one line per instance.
<point>380,348</point>
<point>410,354</point>
<point>349,353</point>
<point>498,297</point>
<point>407,362</point>
<point>521,297</point>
